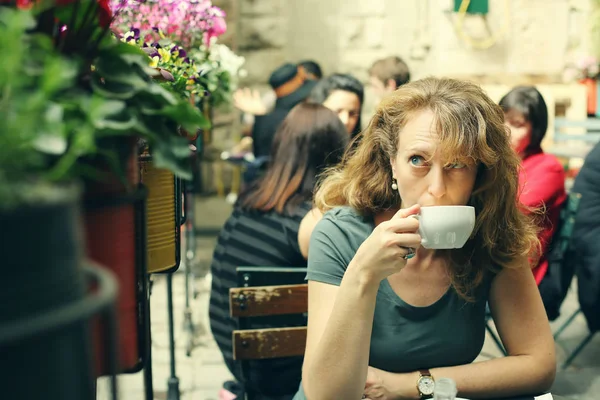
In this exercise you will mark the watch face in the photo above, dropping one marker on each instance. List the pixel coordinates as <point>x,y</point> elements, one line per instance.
<point>426,385</point>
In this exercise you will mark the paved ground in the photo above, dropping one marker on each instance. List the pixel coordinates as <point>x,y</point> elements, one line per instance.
<point>200,376</point>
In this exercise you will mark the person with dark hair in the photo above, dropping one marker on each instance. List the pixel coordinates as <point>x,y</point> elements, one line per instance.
<point>584,239</point>
<point>542,177</point>
<point>387,75</point>
<point>343,94</point>
<point>290,88</point>
<point>312,69</point>
<point>263,230</point>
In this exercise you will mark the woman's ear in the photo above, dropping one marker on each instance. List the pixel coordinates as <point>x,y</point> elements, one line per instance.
<point>393,165</point>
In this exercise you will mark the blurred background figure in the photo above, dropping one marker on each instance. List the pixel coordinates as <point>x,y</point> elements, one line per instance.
<point>263,231</point>
<point>343,94</point>
<point>542,177</point>
<point>387,75</point>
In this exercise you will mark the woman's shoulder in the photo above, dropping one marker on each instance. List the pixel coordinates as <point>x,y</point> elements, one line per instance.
<point>345,215</point>
<point>345,223</point>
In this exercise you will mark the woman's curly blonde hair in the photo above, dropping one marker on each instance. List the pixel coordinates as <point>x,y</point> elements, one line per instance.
<point>470,126</point>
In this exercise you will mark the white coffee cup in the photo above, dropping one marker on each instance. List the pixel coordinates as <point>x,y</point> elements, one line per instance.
<point>445,227</point>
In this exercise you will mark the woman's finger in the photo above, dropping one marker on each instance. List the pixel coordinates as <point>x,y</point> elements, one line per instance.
<point>407,212</point>
<point>407,240</point>
<point>400,225</point>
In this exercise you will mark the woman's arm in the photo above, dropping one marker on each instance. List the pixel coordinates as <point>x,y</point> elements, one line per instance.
<point>523,326</point>
<point>340,319</point>
<point>307,225</point>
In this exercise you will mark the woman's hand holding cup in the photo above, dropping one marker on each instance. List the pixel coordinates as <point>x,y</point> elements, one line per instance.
<point>390,245</point>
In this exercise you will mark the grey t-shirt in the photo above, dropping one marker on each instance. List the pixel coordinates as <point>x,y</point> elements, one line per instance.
<point>405,338</point>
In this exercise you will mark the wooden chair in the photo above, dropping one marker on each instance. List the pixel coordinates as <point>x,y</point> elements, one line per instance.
<point>561,244</point>
<point>280,300</point>
<point>570,212</point>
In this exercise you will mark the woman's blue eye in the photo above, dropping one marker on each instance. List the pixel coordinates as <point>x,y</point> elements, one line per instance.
<point>416,160</point>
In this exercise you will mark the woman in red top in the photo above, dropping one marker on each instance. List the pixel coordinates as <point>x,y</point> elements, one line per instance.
<point>542,177</point>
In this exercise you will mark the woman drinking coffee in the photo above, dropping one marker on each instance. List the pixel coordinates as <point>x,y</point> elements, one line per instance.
<point>393,303</point>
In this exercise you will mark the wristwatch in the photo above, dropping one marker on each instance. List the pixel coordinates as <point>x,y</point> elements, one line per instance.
<point>425,384</point>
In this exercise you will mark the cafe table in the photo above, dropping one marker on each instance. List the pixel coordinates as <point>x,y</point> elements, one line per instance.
<point>546,396</point>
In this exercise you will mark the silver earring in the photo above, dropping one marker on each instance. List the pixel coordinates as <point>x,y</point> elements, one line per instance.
<point>394,185</point>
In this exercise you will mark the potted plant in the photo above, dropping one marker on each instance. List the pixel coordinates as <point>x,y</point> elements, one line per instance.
<point>41,251</point>
<point>585,71</point>
<point>166,31</point>
<point>112,103</point>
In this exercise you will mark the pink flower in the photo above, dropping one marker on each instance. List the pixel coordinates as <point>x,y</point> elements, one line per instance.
<point>217,24</point>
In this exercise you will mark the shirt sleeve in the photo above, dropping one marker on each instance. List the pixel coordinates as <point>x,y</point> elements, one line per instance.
<point>326,261</point>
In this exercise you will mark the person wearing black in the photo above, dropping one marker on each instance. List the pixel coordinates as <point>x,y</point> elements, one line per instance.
<point>291,87</point>
<point>585,238</point>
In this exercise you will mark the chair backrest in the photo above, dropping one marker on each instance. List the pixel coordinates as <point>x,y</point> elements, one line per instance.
<point>252,344</point>
<point>282,294</point>
<point>562,237</point>
<point>266,276</point>
<point>591,126</point>
<point>555,284</point>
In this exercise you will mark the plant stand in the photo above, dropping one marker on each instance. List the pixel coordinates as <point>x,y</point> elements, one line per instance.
<point>173,382</point>
<point>138,200</point>
<point>190,257</point>
<point>173,392</point>
<point>101,301</point>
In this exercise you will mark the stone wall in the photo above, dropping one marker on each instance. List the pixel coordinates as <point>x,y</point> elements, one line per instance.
<point>534,37</point>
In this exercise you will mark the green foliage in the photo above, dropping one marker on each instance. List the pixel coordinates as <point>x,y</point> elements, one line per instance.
<point>63,101</point>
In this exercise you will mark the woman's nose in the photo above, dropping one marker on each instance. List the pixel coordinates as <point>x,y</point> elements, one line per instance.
<point>437,184</point>
<point>344,117</point>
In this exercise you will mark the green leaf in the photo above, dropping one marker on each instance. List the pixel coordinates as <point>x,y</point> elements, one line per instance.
<point>101,108</point>
<point>174,155</point>
<point>54,113</point>
<point>50,144</point>
<point>122,48</point>
<point>161,94</point>
<point>112,90</point>
<point>114,125</point>
<point>76,13</point>
<point>187,116</point>
<point>115,70</point>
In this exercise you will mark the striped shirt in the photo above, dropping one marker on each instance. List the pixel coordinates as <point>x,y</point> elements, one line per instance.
<point>254,238</point>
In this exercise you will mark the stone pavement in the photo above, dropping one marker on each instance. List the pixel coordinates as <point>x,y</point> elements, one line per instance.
<point>201,375</point>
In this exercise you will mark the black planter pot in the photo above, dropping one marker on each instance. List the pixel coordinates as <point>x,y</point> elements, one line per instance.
<point>41,271</point>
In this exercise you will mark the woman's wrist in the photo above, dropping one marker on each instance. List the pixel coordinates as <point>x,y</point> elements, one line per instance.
<point>362,278</point>
<point>403,386</point>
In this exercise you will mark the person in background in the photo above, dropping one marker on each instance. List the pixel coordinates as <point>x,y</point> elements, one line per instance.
<point>541,177</point>
<point>387,75</point>
<point>585,238</point>
<point>312,69</point>
<point>290,87</point>
<point>252,103</point>
<point>344,94</point>
<point>263,230</point>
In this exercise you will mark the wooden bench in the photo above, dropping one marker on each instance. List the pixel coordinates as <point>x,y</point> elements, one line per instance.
<point>255,344</point>
<point>276,297</point>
